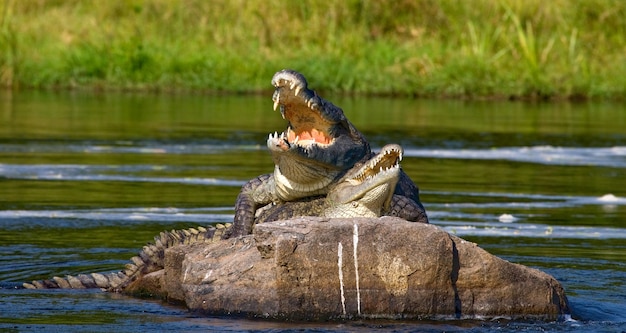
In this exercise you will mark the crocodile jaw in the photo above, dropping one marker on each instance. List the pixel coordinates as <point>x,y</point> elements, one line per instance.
<point>318,144</point>
<point>372,202</point>
<point>297,176</point>
<point>312,120</point>
<point>367,191</point>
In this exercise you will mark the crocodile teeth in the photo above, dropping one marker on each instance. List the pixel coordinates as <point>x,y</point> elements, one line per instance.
<point>297,90</point>
<point>276,101</point>
<point>272,136</point>
<point>293,84</point>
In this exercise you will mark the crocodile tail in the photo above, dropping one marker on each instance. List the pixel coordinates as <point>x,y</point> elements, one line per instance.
<point>150,259</point>
<point>81,281</point>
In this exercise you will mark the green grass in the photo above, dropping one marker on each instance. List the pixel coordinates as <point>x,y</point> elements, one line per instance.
<point>469,49</point>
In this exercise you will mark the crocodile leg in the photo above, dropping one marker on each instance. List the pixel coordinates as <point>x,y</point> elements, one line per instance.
<point>254,194</point>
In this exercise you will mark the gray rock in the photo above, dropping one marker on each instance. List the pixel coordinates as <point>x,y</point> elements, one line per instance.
<point>315,269</point>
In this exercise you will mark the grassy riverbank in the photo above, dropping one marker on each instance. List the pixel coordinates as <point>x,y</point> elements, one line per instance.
<point>478,48</point>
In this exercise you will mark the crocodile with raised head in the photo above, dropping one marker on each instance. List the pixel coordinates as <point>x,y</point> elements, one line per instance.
<point>314,152</point>
<point>365,190</point>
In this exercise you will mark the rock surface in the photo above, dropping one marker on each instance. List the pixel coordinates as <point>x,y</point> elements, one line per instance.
<point>314,269</point>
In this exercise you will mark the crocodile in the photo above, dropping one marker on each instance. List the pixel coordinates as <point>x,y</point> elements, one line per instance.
<point>365,190</point>
<point>318,147</point>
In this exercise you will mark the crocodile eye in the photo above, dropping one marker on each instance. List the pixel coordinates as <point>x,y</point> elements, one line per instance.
<point>355,204</point>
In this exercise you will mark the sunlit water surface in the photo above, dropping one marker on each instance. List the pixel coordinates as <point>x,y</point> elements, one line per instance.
<point>86,180</point>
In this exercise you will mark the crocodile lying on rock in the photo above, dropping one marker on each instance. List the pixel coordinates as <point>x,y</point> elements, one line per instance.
<point>365,191</point>
<point>318,147</point>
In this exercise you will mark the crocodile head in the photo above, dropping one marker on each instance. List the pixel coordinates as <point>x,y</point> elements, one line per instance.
<point>367,189</point>
<point>319,144</point>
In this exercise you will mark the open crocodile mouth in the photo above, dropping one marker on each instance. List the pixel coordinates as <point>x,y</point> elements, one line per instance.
<point>373,183</point>
<point>301,108</point>
<point>387,161</point>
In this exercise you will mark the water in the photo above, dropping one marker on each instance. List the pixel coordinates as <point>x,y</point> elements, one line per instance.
<point>87,179</point>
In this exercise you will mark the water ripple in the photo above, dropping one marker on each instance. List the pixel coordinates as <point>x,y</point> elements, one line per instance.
<point>113,216</point>
<point>528,200</point>
<point>126,147</point>
<point>494,229</point>
<point>614,157</point>
<point>83,172</point>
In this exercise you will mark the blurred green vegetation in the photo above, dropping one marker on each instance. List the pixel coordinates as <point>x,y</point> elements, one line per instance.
<point>470,49</point>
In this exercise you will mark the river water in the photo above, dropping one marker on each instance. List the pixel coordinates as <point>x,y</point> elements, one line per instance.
<point>87,179</point>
